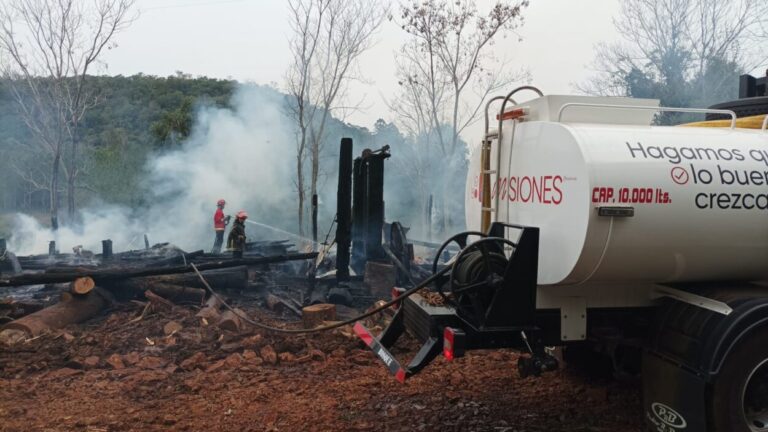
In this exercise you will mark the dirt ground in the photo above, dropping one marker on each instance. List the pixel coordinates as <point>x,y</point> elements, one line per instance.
<point>170,371</point>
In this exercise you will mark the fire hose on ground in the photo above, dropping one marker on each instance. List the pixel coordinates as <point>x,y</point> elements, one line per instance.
<point>365,315</point>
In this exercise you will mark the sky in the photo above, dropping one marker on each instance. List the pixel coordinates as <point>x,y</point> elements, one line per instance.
<point>248,40</point>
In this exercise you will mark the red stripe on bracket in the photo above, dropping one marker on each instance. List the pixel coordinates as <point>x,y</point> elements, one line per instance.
<point>363,333</point>
<point>400,375</point>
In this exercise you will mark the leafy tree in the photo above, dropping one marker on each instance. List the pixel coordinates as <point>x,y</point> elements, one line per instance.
<point>175,125</point>
<point>683,52</point>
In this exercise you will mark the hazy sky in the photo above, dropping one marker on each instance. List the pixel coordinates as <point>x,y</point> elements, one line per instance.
<point>248,40</point>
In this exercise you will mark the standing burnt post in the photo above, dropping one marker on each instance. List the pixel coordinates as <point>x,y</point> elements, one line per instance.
<point>52,248</point>
<point>344,211</point>
<point>368,207</point>
<point>359,187</point>
<point>375,204</point>
<point>314,221</point>
<point>106,249</point>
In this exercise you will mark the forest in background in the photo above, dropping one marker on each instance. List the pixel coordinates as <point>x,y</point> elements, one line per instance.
<point>136,116</point>
<point>141,117</point>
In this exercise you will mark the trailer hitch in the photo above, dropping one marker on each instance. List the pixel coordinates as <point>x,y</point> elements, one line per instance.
<point>429,350</point>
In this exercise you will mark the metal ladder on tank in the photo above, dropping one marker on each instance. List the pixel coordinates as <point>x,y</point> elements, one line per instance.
<point>490,213</point>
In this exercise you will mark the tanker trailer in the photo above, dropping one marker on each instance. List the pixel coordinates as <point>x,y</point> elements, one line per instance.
<point>590,226</point>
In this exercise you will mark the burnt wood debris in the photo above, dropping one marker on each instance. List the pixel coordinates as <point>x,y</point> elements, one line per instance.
<point>312,282</point>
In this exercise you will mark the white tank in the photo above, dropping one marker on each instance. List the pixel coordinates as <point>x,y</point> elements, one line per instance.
<point>699,198</point>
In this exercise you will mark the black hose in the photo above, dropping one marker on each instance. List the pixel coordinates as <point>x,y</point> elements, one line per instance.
<point>372,312</point>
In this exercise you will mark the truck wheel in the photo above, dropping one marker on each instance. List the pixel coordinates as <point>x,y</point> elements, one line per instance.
<point>739,398</point>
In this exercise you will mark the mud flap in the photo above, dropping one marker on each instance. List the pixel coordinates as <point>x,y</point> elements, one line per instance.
<point>674,399</point>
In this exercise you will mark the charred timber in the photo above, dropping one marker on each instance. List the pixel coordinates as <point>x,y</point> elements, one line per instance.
<point>188,286</point>
<point>344,210</point>
<point>111,275</point>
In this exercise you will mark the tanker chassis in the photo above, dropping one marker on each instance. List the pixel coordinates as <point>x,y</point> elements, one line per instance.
<point>591,227</point>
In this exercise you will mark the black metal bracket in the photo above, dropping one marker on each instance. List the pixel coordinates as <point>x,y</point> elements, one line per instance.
<point>510,313</point>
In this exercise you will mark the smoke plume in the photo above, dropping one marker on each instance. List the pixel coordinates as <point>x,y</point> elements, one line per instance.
<point>245,155</point>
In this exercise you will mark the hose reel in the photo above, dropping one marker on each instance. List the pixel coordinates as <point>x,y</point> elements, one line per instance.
<point>477,274</point>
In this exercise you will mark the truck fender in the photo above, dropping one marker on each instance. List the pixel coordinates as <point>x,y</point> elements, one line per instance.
<point>746,317</point>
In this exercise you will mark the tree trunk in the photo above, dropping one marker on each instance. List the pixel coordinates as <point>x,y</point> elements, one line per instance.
<point>300,186</point>
<point>210,311</point>
<point>72,176</point>
<point>71,198</point>
<point>70,310</point>
<point>54,204</point>
<point>314,221</point>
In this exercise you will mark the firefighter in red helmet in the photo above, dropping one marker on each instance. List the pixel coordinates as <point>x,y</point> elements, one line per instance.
<point>219,224</point>
<point>236,239</point>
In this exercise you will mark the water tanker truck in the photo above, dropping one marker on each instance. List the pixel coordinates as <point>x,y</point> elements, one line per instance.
<point>591,227</point>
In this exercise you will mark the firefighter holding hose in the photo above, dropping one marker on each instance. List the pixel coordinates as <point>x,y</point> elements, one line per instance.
<point>236,239</point>
<point>220,222</point>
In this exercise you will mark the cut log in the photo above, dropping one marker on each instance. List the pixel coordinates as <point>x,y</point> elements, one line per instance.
<point>210,312</point>
<point>81,286</point>
<point>231,321</point>
<point>314,315</point>
<point>100,276</point>
<point>71,310</point>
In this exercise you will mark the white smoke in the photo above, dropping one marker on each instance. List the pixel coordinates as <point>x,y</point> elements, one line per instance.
<point>245,155</point>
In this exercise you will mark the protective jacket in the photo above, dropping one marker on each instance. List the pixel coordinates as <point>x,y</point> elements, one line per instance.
<point>218,220</point>
<point>236,239</point>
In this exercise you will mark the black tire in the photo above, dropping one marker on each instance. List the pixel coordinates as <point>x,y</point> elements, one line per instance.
<point>745,371</point>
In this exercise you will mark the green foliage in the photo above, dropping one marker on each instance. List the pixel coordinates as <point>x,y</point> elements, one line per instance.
<point>175,125</point>
<point>135,116</point>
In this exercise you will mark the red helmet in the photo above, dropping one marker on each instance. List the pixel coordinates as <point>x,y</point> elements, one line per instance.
<point>242,214</point>
<point>221,202</point>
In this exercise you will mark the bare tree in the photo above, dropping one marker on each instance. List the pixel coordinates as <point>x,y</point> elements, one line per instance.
<point>49,47</point>
<point>447,69</point>
<point>329,36</point>
<point>421,97</point>
<point>306,20</point>
<point>672,49</point>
